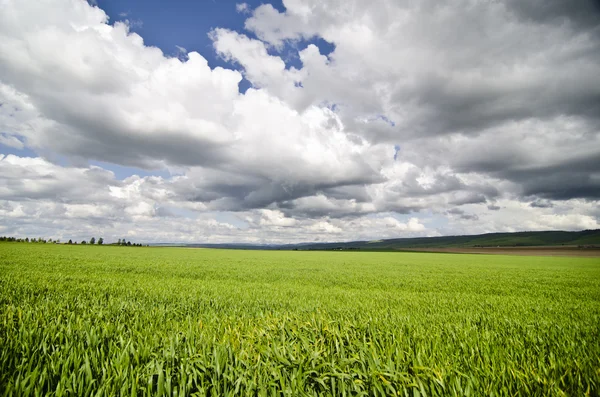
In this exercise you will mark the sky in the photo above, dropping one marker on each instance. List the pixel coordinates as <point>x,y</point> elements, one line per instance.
<point>297,121</point>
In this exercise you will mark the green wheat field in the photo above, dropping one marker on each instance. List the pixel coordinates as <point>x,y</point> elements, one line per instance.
<point>124,321</point>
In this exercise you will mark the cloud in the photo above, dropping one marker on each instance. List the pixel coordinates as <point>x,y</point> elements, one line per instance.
<point>578,14</point>
<point>26,178</point>
<point>447,69</point>
<point>39,198</point>
<point>10,141</point>
<point>462,215</point>
<point>541,204</point>
<point>111,98</point>
<point>133,23</point>
<point>495,106</point>
<point>242,8</point>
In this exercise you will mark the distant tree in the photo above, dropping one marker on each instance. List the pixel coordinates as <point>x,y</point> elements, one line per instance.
<point>129,243</point>
<point>119,242</point>
<point>83,242</point>
<point>93,240</point>
<point>100,241</point>
<point>26,239</point>
<point>70,241</point>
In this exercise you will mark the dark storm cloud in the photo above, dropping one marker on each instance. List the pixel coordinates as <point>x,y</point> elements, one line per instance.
<point>473,114</point>
<point>354,192</point>
<point>580,14</point>
<point>564,187</point>
<point>461,214</point>
<point>223,191</point>
<point>552,170</point>
<point>541,204</point>
<point>574,178</point>
<point>295,210</point>
<point>568,87</point>
<point>470,198</point>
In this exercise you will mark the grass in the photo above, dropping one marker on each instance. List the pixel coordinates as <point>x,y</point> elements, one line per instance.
<point>122,321</point>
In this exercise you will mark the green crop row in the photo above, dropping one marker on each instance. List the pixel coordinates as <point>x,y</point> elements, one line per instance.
<point>110,321</point>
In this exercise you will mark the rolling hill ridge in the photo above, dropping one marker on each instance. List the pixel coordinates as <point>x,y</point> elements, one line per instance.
<point>583,238</point>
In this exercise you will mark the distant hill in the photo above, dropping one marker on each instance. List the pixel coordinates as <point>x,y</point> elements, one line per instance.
<point>518,239</point>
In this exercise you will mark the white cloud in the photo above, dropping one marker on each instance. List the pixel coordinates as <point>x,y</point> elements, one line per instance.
<point>242,8</point>
<point>10,141</point>
<point>275,218</point>
<point>424,119</point>
<point>437,69</point>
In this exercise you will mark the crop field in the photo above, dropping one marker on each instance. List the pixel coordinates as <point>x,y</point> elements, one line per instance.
<point>124,321</point>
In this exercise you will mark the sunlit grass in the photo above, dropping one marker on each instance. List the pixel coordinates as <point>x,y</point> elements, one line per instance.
<point>107,321</point>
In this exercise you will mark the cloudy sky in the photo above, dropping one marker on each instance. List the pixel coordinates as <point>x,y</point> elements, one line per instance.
<point>298,121</point>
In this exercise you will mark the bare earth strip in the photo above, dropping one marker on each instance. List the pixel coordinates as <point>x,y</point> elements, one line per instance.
<point>532,251</point>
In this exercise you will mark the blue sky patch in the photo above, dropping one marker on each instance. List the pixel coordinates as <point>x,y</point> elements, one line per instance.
<point>187,24</point>
<point>396,151</point>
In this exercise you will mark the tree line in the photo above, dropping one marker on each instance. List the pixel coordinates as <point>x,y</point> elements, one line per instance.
<point>40,240</point>
<point>92,241</point>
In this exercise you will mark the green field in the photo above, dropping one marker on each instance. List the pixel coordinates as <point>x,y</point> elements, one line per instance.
<point>123,321</point>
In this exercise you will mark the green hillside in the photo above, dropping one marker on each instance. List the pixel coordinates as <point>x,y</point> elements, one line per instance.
<point>520,239</point>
